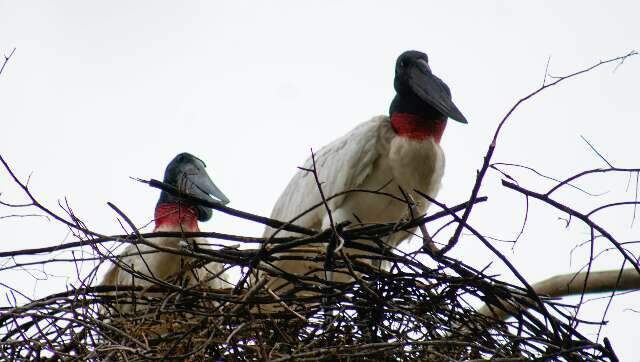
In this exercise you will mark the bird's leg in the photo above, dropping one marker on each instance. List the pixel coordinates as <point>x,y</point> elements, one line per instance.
<point>335,244</point>
<point>332,250</point>
<point>427,242</point>
<point>328,261</point>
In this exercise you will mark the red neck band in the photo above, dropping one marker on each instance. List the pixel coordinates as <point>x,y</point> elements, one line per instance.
<point>176,215</point>
<point>417,128</point>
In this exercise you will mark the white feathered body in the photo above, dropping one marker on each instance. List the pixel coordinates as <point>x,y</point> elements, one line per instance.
<point>371,157</point>
<point>164,266</point>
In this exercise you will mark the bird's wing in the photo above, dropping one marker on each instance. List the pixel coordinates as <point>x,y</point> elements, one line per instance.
<point>111,276</point>
<point>132,257</point>
<point>341,165</point>
<point>149,261</point>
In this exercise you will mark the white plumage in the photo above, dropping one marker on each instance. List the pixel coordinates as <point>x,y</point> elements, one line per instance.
<point>371,157</point>
<point>163,266</point>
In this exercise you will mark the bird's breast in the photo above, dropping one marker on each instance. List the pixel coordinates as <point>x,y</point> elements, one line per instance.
<point>416,164</point>
<point>406,163</point>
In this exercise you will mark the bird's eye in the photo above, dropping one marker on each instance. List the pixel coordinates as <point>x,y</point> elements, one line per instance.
<point>402,64</point>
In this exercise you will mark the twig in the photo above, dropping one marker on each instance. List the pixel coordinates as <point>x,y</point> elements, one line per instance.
<point>574,213</point>
<point>6,59</point>
<point>493,144</point>
<point>225,209</point>
<point>285,306</point>
<point>596,151</point>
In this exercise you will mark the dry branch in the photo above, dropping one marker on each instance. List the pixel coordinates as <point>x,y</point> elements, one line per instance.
<point>575,284</point>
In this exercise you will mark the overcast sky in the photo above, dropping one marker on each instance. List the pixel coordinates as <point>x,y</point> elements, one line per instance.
<point>97,93</point>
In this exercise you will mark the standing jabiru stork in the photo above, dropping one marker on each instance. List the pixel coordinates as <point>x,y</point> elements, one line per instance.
<point>173,214</point>
<point>384,154</point>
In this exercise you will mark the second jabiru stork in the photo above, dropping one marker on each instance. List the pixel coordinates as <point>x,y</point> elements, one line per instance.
<point>142,264</point>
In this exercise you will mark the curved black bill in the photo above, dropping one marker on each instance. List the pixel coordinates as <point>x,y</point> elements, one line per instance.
<point>199,184</point>
<point>433,90</point>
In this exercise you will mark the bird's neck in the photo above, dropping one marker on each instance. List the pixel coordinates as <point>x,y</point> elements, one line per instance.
<point>176,216</point>
<point>417,127</point>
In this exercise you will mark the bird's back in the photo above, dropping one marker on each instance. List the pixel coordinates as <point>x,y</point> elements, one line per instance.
<point>371,163</point>
<point>341,165</point>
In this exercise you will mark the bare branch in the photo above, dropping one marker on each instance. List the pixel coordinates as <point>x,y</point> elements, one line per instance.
<point>6,60</point>
<point>577,284</point>
<point>492,145</point>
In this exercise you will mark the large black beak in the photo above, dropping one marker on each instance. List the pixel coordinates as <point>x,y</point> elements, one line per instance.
<point>432,90</point>
<point>200,185</point>
<point>195,181</point>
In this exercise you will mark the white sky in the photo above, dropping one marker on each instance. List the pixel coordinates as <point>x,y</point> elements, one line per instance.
<point>99,92</point>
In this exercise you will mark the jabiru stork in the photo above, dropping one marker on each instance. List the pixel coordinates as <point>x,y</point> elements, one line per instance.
<point>173,214</point>
<point>387,153</point>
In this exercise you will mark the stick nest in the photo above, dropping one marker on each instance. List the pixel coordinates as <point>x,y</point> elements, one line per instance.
<point>418,309</point>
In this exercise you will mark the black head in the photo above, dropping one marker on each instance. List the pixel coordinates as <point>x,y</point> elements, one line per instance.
<point>187,173</point>
<point>419,91</point>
